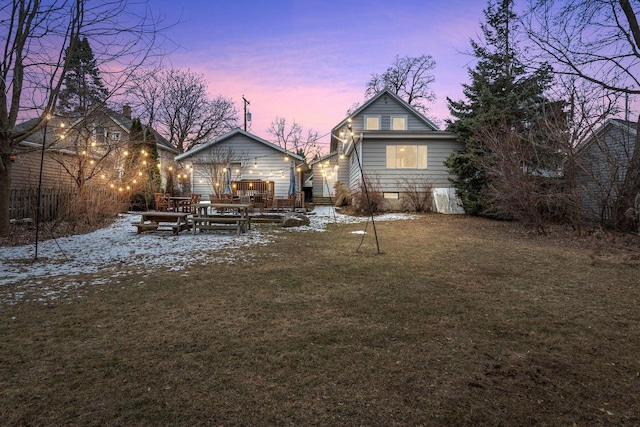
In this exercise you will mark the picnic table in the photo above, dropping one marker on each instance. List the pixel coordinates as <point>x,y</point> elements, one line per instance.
<point>162,221</point>
<point>221,216</point>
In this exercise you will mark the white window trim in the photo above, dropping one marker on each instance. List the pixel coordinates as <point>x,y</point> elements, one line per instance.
<point>419,148</point>
<point>399,116</point>
<point>372,116</point>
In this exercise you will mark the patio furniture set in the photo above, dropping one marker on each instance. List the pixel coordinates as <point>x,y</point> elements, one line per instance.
<point>183,213</point>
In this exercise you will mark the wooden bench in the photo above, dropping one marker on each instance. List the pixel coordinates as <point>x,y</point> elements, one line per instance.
<point>221,222</point>
<point>162,221</point>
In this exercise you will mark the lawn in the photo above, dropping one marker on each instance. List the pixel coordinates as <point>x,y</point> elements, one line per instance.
<point>460,321</point>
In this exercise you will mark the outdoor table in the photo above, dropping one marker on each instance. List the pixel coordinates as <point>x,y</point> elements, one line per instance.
<point>154,220</point>
<point>205,219</point>
<point>180,202</point>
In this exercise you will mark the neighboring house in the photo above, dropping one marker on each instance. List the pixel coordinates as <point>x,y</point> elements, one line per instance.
<point>392,144</point>
<point>106,127</point>
<point>25,173</point>
<point>253,160</point>
<point>601,166</point>
<point>114,127</point>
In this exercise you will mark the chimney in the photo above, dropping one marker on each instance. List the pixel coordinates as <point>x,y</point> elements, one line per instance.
<point>126,110</point>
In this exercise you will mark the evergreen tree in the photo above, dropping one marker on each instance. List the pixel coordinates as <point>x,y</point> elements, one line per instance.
<point>501,96</point>
<point>154,177</point>
<point>83,87</point>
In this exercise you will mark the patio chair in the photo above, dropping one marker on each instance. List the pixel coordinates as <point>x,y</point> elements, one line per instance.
<point>162,201</point>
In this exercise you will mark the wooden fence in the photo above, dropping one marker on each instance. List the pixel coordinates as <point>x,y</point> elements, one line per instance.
<point>23,203</point>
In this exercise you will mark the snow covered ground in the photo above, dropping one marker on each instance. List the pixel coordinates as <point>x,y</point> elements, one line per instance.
<point>120,251</point>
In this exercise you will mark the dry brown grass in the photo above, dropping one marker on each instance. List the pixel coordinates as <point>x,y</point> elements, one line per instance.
<point>460,321</point>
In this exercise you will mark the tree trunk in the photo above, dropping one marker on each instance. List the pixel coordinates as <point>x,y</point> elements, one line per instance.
<point>5,187</point>
<point>630,188</point>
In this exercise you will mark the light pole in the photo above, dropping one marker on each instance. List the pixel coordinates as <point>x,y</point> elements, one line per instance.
<point>245,112</point>
<point>44,141</point>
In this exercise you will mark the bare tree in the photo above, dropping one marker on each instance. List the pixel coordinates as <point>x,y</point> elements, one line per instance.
<point>36,36</point>
<point>409,78</point>
<point>294,138</point>
<point>522,178</point>
<point>213,167</point>
<point>587,108</point>
<point>175,102</point>
<point>597,41</point>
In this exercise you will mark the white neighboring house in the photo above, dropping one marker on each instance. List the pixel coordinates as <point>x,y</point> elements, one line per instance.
<point>390,142</point>
<point>252,159</point>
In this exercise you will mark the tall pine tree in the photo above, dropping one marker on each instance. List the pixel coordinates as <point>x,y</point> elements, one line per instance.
<point>83,87</point>
<point>153,159</point>
<point>501,95</point>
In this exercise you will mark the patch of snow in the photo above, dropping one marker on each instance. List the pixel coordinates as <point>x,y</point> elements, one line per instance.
<point>120,251</point>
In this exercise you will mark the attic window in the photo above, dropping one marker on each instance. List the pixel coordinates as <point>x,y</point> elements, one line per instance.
<point>116,135</point>
<point>398,122</point>
<point>371,122</point>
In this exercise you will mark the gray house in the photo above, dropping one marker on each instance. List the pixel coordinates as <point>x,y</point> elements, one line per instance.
<point>602,162</point>
<point>388,141</point>
<point>256,165</point>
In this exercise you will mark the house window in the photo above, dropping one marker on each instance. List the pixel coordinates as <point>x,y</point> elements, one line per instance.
<point>392,196</point>
<point>398,122</point>
<point>406,156</point>
<point>99,134</point>
<point>371,122</point>
<point>115,135</point>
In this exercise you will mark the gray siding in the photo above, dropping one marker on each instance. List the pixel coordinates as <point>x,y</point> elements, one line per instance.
<point>374,158</point>
<point>354,168</point>
<point>318,180</point>
<point>601,168</point>
<point>385,108</point>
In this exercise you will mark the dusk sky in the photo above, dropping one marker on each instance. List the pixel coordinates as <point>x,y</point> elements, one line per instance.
<point>309,60</point>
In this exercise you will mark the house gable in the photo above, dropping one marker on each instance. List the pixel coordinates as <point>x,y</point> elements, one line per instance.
<point>382,108</point>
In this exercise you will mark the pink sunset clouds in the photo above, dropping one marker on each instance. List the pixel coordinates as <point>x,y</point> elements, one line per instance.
<point>309,61</point>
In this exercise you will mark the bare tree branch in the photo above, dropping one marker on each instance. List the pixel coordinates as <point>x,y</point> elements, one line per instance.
<point>293,138</point>
<point>409,78</point>
<point>175,102</point>
<point>123,34</point>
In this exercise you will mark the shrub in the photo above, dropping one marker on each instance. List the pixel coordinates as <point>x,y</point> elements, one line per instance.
<point>92,205</point>
<point>342,194</point>
<point>369,198</point>
<point>417,194</point>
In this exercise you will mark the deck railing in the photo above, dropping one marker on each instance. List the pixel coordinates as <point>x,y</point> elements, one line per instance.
<point>251,188</point>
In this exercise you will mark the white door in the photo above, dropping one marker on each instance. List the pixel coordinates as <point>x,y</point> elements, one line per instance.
<point>329,179</point>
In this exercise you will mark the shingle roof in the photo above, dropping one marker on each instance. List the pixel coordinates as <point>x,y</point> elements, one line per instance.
<point>228,135</point>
